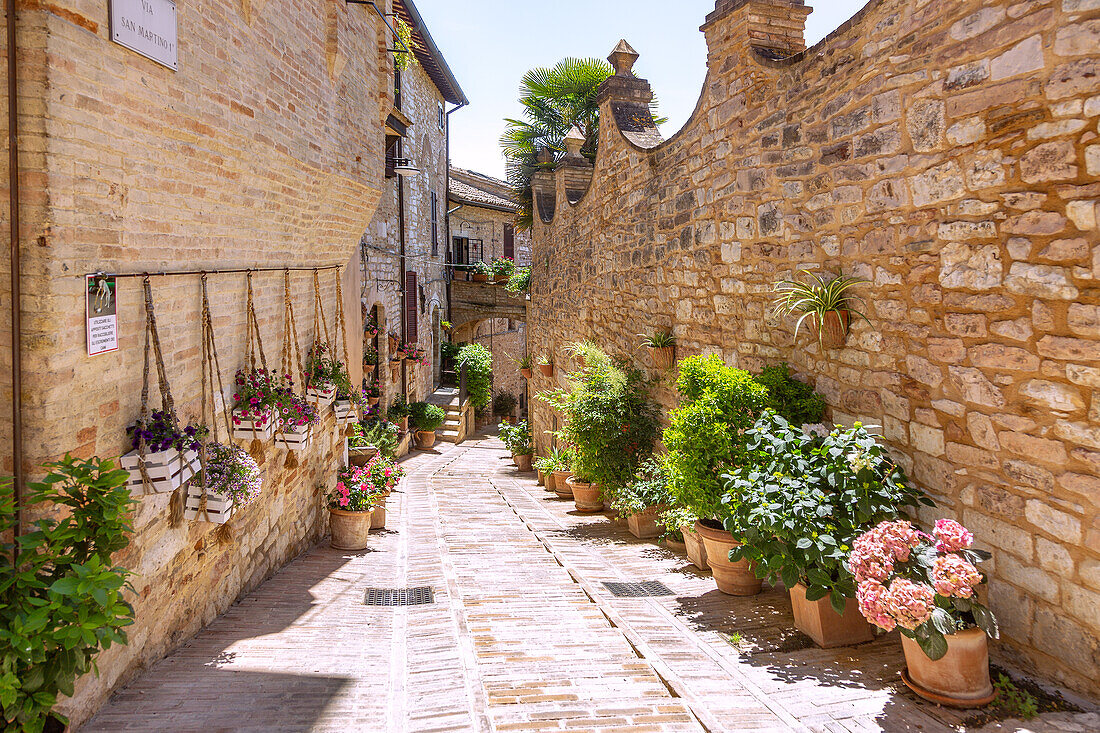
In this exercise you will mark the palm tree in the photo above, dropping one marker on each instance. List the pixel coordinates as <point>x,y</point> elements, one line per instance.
<point>554,100</point>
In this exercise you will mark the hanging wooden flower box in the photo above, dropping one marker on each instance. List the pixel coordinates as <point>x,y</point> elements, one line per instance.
<point>346,413</point>
<point>167,469</point>
<point>215,507</point>
<point>250,424</point>
<point>322,397</point>
<point>297,437</point>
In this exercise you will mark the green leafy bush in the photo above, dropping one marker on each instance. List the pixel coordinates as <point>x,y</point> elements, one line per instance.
<point>502,268</point>
<point>706,431</point>
<point>517,438</point>
<point>479,373</point>
<point>796,401</point>
<point>61,600</point>
<point>399,409</point>
<point>609,419</point>
<point>648,488</point>
<point>520,281</point>
<point>426,417</point>
<point>797,503</point>
<point>449,350</point>
<point>380,434</point>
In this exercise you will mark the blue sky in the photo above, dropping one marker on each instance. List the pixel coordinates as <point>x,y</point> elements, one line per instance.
<point>489,44</point>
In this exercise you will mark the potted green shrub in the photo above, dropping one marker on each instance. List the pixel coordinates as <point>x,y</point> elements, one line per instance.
<point>662,345</point>
<point>679,519</point>
<point>554,461</point>
<point>425,418</point>
<point>927,586</point>
<point>706,436</point>
<point>827,305</point>
<point>481,272</point>
<point>372,438</point>
<point>644,499</point>
<point>478,363</point>
<point>517,438</point>
<point>799,502</point>
<point>519,282</point>
<point>398,412</point>
<point>504,404</point>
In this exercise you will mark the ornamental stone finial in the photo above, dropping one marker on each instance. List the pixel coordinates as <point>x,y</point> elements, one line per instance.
<point>574,141</point>
<point>622,58</point>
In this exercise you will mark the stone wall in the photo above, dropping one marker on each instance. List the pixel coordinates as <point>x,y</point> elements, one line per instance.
<point>948,153</point>
<point>263,150</point>
<point>382,281</point>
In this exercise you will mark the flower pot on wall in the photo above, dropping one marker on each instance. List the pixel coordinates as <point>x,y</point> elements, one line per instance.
<point>828,629</point>
<point>693,543</point>
<point>960,678</point>
<point>349,529</point>
<point>733,578</point>
<point>478,277</point>
<point>643,525</point>
<point>588,497</point>
<point>834,332</point>
<point>526,373</point>
<point>167,470</point>
<point>547,370</point>
<point>664,357</point>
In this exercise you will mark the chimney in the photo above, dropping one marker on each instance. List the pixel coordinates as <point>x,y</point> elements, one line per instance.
<point>775,27</point>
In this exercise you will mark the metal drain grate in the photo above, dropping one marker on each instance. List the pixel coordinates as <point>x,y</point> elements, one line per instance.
<point>400,596</point>
<point>648,589</point>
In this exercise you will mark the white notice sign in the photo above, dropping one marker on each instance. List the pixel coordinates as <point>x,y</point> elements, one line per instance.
<point>102,314</point>
<point>148,27</point>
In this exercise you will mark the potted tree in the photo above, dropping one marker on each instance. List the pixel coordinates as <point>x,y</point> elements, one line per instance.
<point>504,405</point>
<point>798,503</point>
<point>170,453</point>
<point>350,506</point>
<point>926,586</point>
<point>827,305</point>
<point>587,494</point>
<point>644,499</point>
<point>426,418</point>
<point>518,440</point>
<point>662,345</point>
<point>705,436</point>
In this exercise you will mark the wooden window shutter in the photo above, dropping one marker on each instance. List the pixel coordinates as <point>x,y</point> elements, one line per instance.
<point>509,241</point>
<point>412,308</point>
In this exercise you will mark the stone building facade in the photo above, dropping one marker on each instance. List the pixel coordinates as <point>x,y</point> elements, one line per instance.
<point>948,153</point>
<point>264,149</point>
<point>482,229</point>
<point>409,230</point>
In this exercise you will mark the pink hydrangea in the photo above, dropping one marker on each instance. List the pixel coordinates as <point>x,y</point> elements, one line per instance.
<point>898,538</point>
<point>869,560</point>
<point>870,594</point>
<point>909,603</point>
<point>952,536</point>
<point>952,575</point>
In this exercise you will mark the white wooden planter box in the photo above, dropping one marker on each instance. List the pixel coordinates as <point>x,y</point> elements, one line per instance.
<point>346,414</point>
<point>168,470</point>
<point>219,507</point>
<point>296,438</point>
<point>259,427</point>
<point>321,398</point>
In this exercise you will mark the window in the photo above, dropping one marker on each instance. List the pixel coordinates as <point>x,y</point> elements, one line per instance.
<point>442,118</point>
<point>435,224</point>
<point>466,252</point>
<point>509,241</point>
<point>412,308</point>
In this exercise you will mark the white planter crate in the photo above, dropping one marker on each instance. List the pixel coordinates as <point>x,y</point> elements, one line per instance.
<point>296,438</point>
<point>323,398</point>
<point>346,413</point>
<point>219,507</point>
<point>247,428</point>
<point>168,470</point>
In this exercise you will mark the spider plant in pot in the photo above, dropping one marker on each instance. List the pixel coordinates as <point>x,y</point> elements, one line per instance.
<point>546,366</point>
<point>662,345</point>
<point>525,364</point>
<point>827,305</point>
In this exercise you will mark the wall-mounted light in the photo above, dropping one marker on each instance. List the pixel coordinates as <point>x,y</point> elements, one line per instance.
<point>405,167</point>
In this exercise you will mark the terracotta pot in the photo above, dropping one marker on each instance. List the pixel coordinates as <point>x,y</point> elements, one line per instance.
<point>395,371</point>
<point>378,515</point>
<point>675,545</point>
<point>959,679</point>
<point>425,439</point>
<point>523,463</point>
<point>526,373</point>
<point>541,477</point>
<point>835,331</point>
<point>561,484</point>
<point>550,482</point>
<point>664,357</point>
<point>828,629</point>
<point>349,529</point>
<point>693,543</point>
<point>478,277</point>
<point>369,369</point>
<point>547,370</point>
<point>643,525</point>
<point>403,424</point>
<point>372,400</point>
<point>733,578</point>
<point>360,457</point>
<point>588,497</point>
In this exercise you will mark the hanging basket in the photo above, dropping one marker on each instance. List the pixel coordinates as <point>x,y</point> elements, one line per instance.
<point>297,438</point>
<point>321,397</point>
<point>218,506</point>
<point>249,425</point>
<point>346,412</point>
<point>167,470</point>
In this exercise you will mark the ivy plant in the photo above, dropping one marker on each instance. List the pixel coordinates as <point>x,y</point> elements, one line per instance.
<point>61,598</point>
<point>706,431</point>
<point>798,502</point>
<point>478,362</point>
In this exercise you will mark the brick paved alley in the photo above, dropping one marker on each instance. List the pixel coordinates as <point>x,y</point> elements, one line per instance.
<point>522,635</point>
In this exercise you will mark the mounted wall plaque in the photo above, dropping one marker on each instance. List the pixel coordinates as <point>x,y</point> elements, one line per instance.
<point>148,27</point>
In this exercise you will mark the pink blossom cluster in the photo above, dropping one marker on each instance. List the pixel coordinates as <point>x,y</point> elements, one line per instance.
<point>871,595</point>
<point>952,536</point>
<point>875,551</point>
<point>909,603</point>
<point>953,575</point>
